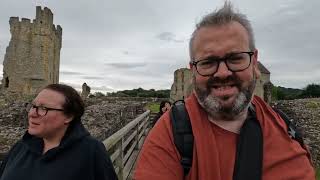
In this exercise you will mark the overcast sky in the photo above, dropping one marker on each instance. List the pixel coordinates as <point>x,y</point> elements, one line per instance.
<point>125,44</point>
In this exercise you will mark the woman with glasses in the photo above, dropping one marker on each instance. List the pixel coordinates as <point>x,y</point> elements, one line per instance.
<point>56,144</point>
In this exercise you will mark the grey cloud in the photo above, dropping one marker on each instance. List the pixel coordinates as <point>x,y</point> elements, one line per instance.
<point>71,73</point>
<point>102,88</point>
<point>168,36</point>
<point>92,77</point>
<point>126,65</point>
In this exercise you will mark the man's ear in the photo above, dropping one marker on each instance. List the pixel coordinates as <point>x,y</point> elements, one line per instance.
<point>255,64</point>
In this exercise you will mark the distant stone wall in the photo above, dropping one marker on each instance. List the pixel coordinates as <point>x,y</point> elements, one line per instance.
<point>182,84</point>
<point>306,115</point>
<point>260,88</point>
<point>32,58</point>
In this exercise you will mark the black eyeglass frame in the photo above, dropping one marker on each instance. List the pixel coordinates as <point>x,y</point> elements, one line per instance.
<point>224,59</point>
<point>30,106</point>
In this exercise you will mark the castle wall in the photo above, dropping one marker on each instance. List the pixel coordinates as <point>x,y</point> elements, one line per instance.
<point>33,56</point>
<point>182,85</point>
<point>259,90</point>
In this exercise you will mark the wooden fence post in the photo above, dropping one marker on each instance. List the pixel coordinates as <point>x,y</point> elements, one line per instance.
<point>119,160</point>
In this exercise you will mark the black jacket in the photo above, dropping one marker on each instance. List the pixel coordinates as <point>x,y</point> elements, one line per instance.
<point>78,157</point>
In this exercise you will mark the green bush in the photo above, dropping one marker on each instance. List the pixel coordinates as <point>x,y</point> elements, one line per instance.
<point>140,92</point>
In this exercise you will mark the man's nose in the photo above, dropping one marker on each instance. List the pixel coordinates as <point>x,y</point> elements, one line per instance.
<point>222,71</point>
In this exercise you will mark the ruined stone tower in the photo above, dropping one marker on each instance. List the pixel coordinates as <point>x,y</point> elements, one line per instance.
<point>182,85</point>
<point>33,56</point>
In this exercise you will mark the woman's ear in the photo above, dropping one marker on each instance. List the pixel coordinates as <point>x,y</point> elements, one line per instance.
<point>68,120</point>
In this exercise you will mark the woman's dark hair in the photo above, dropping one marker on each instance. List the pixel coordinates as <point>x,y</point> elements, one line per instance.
<point>162,104</point>
<point>73,105</point>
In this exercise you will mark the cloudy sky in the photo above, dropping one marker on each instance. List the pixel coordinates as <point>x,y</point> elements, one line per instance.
<point>125,44</point>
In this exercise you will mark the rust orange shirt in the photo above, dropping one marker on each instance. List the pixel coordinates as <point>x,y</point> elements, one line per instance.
<point>215,148</point>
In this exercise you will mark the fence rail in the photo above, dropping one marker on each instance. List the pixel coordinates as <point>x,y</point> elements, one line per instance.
<point>123,146</point>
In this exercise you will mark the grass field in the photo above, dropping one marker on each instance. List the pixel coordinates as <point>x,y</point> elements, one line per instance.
<point>153,107</point>
<point>318,174</point>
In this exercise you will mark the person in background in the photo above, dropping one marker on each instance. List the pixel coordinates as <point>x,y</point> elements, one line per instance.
<point>56,144</point>
<point>164,106</point>
<point>224,112</point>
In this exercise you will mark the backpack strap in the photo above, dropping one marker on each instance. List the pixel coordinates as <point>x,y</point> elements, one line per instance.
<point>182,134</point>
<point>249,154</point>
<point>292,129</point>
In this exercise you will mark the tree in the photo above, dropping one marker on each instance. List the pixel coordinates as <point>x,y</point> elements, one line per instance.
<point>98,94</point>
<point>311,91</point>
<point>140,92</point>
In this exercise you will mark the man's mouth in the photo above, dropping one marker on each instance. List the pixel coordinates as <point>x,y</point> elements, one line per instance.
<point>224,89</point>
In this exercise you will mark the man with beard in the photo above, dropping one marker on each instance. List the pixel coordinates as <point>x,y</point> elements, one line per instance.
<point>223,112</point>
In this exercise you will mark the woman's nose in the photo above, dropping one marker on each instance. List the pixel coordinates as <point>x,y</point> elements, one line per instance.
<point>33,112</point>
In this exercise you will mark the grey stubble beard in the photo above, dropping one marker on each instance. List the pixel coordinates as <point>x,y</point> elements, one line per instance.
<point>214,108</point>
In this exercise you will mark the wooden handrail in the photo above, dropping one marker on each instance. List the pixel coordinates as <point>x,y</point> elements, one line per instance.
<point>123,146</point>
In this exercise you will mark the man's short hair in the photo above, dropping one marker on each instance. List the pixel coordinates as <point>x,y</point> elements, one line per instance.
<point>220,17</point>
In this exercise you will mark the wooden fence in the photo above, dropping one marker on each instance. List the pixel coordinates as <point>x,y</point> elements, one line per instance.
<point>123,146</point>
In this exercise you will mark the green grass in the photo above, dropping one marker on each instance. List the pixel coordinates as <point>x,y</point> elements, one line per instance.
<point>318,173</point>
<point>313,105</point>
<point>153,107</point>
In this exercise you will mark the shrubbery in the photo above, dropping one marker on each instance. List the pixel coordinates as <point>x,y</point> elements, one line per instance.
<point>141,93</point>
<point>281,93</point>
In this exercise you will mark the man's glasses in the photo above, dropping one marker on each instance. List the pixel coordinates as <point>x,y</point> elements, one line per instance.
<point>234,61</point>
<point>40,110</point>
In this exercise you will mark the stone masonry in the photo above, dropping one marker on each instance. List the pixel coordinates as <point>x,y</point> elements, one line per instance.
<point>32,58</point>
<point>85,90</point>
<point>182,85</point>
<point>305,114</point>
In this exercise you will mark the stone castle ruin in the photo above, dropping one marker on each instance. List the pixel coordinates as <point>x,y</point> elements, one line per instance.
<point>182,85</point>
<point>32,58</point>
<point>85,90</point>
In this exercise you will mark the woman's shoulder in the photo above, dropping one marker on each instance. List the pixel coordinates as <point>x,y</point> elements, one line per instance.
<point>92,141</point>
<point>19,145</point>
